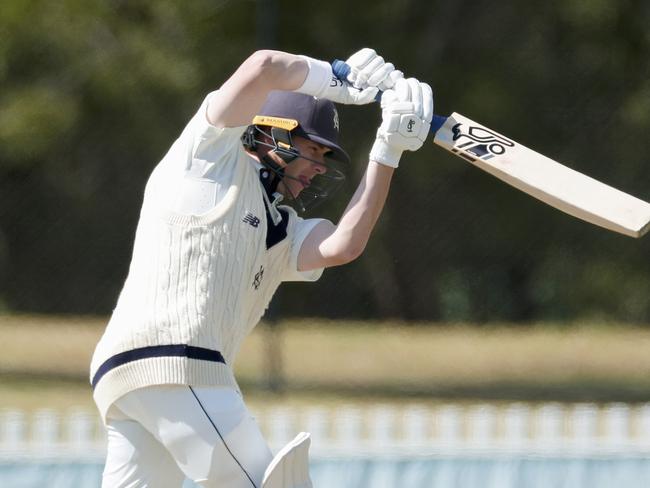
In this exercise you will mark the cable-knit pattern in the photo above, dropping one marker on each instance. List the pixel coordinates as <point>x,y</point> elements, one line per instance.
<point>194,280</point>
<point>191,282</point>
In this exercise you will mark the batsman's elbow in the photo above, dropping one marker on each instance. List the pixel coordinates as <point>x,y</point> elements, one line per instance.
<point>327,246</point>
<point>354,252</point>
<point>274,70</point>
<point>263,65</point>
<point>347,254</point>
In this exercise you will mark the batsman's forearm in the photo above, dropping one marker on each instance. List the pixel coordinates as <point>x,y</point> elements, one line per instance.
<point>359,218</point>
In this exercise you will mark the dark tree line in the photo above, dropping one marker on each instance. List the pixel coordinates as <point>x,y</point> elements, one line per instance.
<point>93,92</point>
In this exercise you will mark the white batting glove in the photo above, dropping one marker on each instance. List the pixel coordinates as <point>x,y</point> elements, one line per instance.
<point>407,111</point>
<point>321,83</point>
<point>367,68</point>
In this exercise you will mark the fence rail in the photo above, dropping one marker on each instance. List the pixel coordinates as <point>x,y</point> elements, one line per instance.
<point>554,429</point>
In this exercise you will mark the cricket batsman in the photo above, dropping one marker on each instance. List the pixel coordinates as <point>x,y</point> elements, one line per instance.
<point>215,240</point>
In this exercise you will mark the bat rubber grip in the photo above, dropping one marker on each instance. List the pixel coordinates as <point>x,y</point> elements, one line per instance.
<point>340,69</point>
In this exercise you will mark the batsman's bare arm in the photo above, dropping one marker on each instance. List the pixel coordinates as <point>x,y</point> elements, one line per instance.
<point>243,94</point>
<point>332,245</point>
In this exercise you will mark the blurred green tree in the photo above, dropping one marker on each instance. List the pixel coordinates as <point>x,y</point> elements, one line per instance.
<point>93,92</point>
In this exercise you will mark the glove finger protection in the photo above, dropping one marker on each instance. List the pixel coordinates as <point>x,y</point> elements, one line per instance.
<point>403,90</point>
<point>390,80</point>
<point>416,96</point>
<point>427,102</point>
<point>388,97</point>
<point>378,75</point>
<point>367,68</point>
<point>357,62</point>
<point>427,111</point>
<point>374,69</point>
<point>361,58</point>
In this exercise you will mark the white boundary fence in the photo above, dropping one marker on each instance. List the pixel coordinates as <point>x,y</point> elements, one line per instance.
<point>382,430</point>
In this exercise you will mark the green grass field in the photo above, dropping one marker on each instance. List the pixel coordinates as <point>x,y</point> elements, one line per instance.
<point>44,360</point>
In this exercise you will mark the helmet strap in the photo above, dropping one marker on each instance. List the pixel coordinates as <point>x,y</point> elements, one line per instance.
<point>270,175</point>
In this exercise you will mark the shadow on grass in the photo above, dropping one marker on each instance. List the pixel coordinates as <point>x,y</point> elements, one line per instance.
<point>576,391</point>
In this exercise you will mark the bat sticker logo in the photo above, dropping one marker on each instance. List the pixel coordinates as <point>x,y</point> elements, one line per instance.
<point>481,142</point>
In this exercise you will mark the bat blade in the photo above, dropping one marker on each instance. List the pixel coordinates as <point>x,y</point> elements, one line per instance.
<point>549,181</point>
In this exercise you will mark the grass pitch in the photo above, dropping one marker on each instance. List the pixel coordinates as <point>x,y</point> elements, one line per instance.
<point>45,359</point>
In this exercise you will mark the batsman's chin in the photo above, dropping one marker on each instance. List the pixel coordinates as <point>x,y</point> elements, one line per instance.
<point>295,186</point>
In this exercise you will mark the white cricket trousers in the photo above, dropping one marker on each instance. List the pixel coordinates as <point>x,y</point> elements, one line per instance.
<point>160,435</point>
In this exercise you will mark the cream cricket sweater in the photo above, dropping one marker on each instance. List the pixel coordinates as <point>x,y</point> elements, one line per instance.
<point>197,284</point>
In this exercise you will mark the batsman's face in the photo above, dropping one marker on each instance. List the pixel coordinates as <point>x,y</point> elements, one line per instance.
<point>300,172</point>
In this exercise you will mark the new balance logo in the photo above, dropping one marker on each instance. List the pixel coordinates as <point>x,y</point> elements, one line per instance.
<point>251,219</point>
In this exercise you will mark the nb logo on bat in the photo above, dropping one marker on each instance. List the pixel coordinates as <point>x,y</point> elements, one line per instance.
<point>479,142</point>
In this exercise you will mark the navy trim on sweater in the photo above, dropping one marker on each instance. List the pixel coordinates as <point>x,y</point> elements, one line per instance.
<point>175,350</point>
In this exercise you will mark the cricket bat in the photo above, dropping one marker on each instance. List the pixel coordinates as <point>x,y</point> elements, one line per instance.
<point>549,181</point>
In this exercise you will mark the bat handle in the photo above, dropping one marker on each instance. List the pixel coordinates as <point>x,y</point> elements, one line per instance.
<point>341,70</point>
